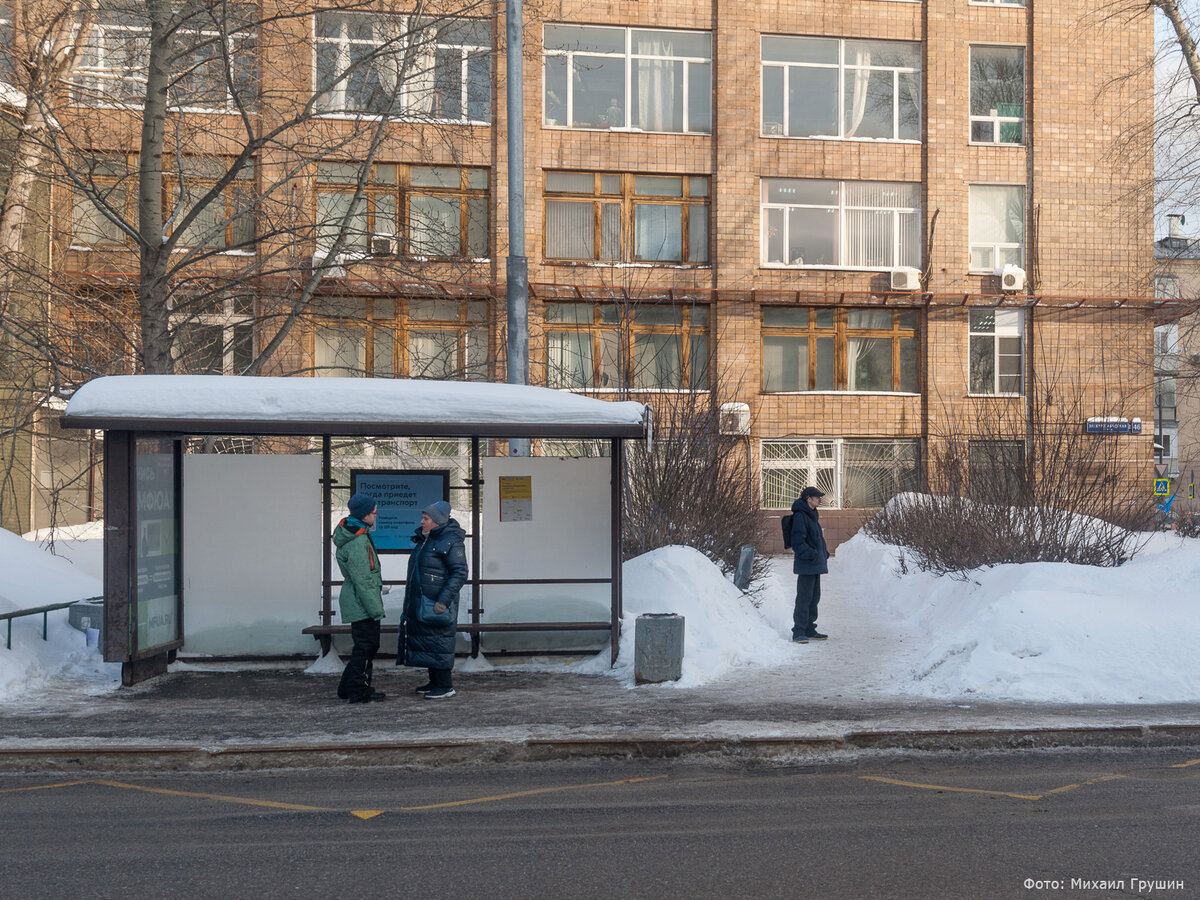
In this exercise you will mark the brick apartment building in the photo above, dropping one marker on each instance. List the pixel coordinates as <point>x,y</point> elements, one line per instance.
<point>877,225</point>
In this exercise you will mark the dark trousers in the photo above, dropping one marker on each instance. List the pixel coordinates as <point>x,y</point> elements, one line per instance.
<point>808,595</point>
<point>440,678</point>
<point>356,679</point>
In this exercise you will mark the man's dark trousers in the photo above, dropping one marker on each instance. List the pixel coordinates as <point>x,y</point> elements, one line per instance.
<point>808,595</point>
<point>356,679</point>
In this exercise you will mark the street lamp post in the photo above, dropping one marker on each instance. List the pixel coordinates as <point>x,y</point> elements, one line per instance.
<point>517,267</point>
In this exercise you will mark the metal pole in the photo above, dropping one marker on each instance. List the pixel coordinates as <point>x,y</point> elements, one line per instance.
<point>517,264</point>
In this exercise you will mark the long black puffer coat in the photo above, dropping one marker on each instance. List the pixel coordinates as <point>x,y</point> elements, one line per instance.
<point>438,568</point>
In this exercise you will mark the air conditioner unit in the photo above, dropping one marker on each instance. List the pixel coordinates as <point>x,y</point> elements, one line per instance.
<point>382,244</point>
<point>734,418</point>
<point>906,278</point>
<point>1012,278</point>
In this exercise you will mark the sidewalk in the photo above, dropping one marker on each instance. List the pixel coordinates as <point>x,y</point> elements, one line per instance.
<point>285,717</point>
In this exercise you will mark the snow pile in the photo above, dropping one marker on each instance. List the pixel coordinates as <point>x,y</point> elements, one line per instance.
<point>1042,631</point>
<point>722,629</point>
<point>34,577</point>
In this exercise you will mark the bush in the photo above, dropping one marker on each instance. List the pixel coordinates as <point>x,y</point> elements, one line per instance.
<point>1188,525</point>
<point>695,486</point>
<point>952,534</point>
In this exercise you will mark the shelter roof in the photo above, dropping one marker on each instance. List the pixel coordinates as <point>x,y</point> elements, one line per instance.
<point>228,404</point>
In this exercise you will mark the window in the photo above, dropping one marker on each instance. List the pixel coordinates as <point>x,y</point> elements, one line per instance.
<point>996,471</point>
<point>640,78</point>
<point>434,211</point>
<point>226,222</point>
<point>853,474</point>
<point>109,184</point>
<point>996,354</point>
<point>1166,287</point>
<point>404,66</point>
<point>415,338</point>
<point>218,339</point>
<point>997,226</point>
<point>609,346</point>
<point>1166,343</point>
<point>997,2</point>
<point>109,188</point>
<point>839,349</point>
<point>7,71</point>
<point>829,88</point>
<point>600,216</point>
<point>997,95</point>
<point>1164,399</point>
<point>213,65</point>
<point>849,224</point>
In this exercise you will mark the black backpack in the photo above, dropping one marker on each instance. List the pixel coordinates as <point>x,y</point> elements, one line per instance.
<point>786,524</point>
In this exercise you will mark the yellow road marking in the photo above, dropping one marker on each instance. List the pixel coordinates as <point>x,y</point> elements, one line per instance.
<point>273,804</point>
<point>550,790</point>
<point>44,787</point>
<point>1071,787</point>
<point>956,790</point>
<point>367,813</point>
<point>1184,765</point>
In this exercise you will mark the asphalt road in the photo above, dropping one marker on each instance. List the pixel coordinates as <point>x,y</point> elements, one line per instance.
<point>1114,823</point>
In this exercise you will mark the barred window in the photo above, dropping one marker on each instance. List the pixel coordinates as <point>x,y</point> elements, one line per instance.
<point>853,474</point>
<point>608,345</point>
<point>827,349</point>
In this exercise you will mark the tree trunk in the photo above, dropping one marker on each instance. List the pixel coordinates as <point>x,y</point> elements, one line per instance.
<point>153,288</point>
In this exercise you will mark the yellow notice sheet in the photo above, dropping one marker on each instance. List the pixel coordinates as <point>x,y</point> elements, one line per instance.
<point>516,498</point>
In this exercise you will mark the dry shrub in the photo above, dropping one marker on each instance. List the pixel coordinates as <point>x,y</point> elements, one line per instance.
<point>694,486</point>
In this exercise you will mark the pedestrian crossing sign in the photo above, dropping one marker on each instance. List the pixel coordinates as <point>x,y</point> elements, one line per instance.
<point>1162,487</point>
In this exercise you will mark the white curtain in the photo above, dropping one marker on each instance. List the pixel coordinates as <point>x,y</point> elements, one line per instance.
<point>861,81</point>
<point>406,65</point>
<point>656,88</point>
<point>569,360</point>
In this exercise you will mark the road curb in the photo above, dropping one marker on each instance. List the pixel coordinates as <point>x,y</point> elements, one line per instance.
<point>243,757</point>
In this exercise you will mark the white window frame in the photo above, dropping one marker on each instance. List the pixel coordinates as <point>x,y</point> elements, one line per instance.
<point>812,462</point>
<point>628,56</point>
<point>1013,3</point>
<point>998,250</point>
<point>94,78</point>
<point>845,72</point>
<point>843,237</point>
<point>229,319</point>
<point>423,79</point>
<point>1009,323</point>
<point>993,118</point>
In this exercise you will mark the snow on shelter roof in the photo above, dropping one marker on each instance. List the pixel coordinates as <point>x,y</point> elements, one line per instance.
<point>231,404</point>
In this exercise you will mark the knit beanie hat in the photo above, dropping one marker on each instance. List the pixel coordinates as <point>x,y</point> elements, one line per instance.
<point>360,505</point>
<point>438,511</point>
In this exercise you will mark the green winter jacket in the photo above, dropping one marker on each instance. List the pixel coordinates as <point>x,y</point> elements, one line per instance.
<point>362,591</point>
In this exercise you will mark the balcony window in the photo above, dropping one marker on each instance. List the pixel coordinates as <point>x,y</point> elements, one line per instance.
<point>639,78</point>
<point>840,224</point>
<point>827,349</point>
<point>609,216</point>
<point>611,346</point>
<point>404,66</point>
<point>424,211</point>
<point>829,88</point>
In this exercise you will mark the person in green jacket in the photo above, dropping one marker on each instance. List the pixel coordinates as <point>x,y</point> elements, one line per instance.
<point>361,598</point>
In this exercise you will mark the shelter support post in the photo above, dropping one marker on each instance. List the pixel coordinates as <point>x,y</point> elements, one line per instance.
<point>326,544</point>
<point>118,543</point>
<point>476,555</point>
<point>618,480</point>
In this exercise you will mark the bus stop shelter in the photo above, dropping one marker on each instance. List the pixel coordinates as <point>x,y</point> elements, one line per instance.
<point>145,420</point>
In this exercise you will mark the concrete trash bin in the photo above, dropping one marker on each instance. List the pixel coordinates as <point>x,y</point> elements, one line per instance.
<point>657,648</point>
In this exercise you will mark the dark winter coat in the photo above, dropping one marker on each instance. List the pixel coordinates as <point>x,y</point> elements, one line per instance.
<point>808,541</point>
<point>437,569</point>
<point>361,596</point>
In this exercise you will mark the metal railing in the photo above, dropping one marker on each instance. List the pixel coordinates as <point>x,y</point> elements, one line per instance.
<point>44,610</point>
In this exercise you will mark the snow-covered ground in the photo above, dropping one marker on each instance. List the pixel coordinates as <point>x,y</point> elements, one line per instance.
<point>1049,632</point>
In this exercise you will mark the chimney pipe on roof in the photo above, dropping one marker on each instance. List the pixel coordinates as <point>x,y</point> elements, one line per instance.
<point>1177,221</point>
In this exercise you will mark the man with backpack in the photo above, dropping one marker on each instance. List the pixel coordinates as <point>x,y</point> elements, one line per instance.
<point>811,562</point>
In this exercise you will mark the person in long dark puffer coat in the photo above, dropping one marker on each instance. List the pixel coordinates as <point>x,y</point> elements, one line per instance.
<point>437,570</point>
<point>810,563</point>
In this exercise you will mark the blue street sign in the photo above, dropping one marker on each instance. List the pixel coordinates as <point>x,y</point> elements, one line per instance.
<point>1162,487</point>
